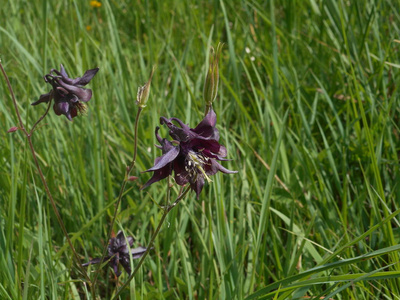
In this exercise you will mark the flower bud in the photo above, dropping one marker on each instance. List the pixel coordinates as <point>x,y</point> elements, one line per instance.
<point>12,129</point>
<point>211,84</point>
<point>144,91</point>
<point>132,178</point>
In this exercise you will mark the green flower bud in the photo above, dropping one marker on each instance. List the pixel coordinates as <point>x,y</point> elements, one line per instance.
<point>211,84</point>
<point>144,91</point>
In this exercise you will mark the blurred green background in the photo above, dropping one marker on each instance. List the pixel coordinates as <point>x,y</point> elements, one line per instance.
<point>308,109</point>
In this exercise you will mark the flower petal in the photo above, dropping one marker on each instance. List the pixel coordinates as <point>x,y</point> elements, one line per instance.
<point>158,175</point>
<point>165,159</point>
<point>93,261</point>
<point>222,151</point>
<point>63,72</point>
<point>61,108</point>
<point>125,262</point>
<point>83,94</point>
<point>138,252</point>
<point>181,134</point>
<point>65,76</point>
<point>206,127</point>
<point>73,112</point>
<point>183,125</point>
<point>44,98</point>
<point>130,240</point>
<point>214,167</point>
<point>211,146</point>
<point>119,239</point>
<point>182,176</point>
<point>197,185</point>
<point>158,137</point>
<point>114,264</point>
<point>85,79</point>
<point>167,146</point>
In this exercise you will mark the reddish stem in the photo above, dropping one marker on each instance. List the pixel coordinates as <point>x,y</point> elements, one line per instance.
<point>53,204</point>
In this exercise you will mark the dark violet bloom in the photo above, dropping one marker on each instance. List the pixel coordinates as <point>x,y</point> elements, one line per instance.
<point>68,94</point>
<point>192,155</point>
<point>118,253</point>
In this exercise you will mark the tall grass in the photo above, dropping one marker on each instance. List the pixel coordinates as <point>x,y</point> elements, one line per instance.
<point>308,109</point>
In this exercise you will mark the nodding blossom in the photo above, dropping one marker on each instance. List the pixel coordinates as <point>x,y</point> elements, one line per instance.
<point>192,155</point>
<point>118,253</point>
<point>68,94</point>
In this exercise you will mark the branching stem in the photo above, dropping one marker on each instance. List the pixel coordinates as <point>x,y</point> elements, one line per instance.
<point>167,209</point>
<point>121,192</point>
<point>46,187</point>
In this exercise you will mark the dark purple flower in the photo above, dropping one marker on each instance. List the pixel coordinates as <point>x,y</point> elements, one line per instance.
<point>118,253</point>
<point>68,94</point>
<point>192,155</point>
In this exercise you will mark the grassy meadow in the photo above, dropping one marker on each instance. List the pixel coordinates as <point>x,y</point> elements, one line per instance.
<point>307,107</point>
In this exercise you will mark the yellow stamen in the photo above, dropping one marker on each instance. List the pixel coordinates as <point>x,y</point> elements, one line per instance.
<point>81,107</point>
<point>198,162</point>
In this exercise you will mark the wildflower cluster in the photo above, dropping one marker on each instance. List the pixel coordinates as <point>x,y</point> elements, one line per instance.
<point>192,155</point>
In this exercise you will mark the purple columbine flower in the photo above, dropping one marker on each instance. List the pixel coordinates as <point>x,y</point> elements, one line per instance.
<point>68,94</point>
<point>192,155</point>
<point>118,253</point>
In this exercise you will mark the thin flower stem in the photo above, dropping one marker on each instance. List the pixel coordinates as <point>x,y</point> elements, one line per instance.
<point>121,192</point>
<point>167,209</point>
<point>53,204</point>
<point>208,108</point>
<point>21,125</point>
<point>41,118</point>
<point>169,187</point>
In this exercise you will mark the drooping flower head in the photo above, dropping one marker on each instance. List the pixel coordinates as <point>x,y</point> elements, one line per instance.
<point>68,94</point>
<point>192,155</point>
<point>118,253</point>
